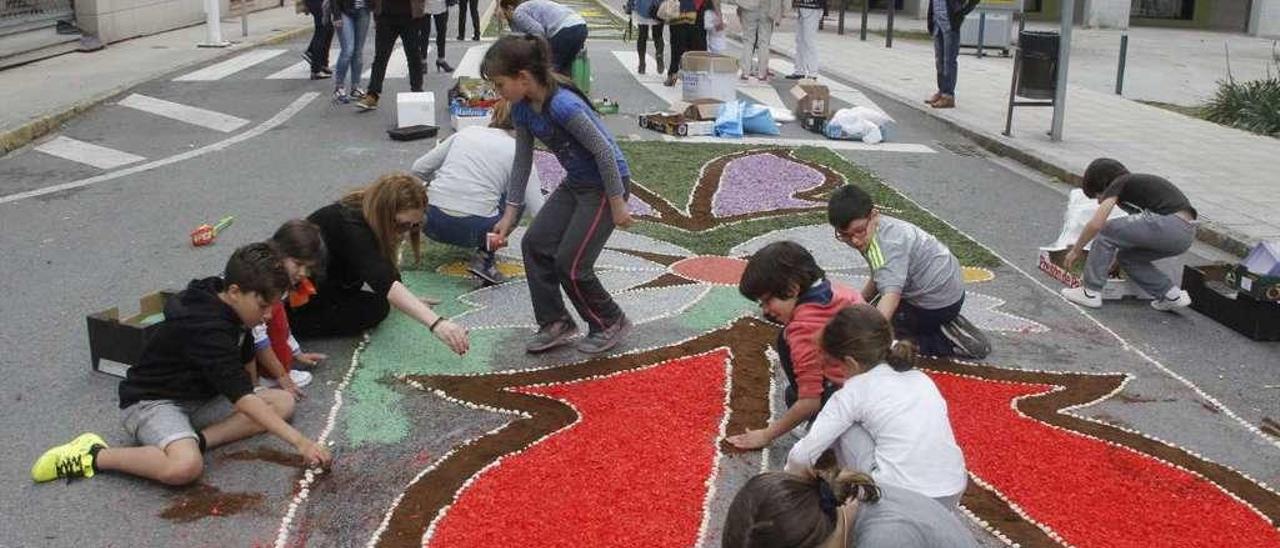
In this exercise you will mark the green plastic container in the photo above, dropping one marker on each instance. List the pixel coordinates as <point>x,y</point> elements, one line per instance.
<point>581,72</point>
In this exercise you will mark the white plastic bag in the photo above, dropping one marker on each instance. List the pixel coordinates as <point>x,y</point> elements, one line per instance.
<point>1079,210</point>
<point>859,123</point>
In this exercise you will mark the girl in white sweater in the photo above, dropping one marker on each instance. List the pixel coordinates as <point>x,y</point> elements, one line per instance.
<point>888,420</point>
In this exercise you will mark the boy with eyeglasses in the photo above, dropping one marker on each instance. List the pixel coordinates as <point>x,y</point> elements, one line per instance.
<point>916,279</point>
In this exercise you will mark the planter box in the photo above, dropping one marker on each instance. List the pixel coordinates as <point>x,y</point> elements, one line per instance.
<point>1116,288</point>
<point>1211,296</point>
<point>115,345</point>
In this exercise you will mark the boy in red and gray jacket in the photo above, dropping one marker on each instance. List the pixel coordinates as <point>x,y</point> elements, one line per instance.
<point>792,289</point>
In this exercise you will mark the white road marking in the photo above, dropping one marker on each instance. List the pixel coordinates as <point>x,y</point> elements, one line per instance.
<point>225,123</point>
<point>231,66</point>
<point>469,66</point>
<point>397,67</point>
<point>281,117</point>
<point>651,81</point>
<point>88,153</point>
<point>301,70</point>
<point>825,143</point>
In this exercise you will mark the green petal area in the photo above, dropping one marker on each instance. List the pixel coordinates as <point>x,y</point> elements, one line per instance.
<point>720,306</point>
<point>969,252</point>
<point>672,169</point>
<point>401,346</point>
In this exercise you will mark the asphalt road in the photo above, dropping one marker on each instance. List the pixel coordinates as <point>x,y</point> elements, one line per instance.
<point>107,242</point>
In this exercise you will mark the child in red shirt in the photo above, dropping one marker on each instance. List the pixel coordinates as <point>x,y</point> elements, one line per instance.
<point>302,247</point>
<point>792,289</point>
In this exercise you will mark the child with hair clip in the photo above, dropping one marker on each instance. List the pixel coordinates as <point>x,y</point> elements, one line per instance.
<point>888,419</point>
<point>301,247</point>
<point>837,509</point>
<point>565,238</point>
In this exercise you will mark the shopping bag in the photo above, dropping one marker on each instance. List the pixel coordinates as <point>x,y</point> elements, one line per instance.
<point>729,120</point>
<point>758,119</point>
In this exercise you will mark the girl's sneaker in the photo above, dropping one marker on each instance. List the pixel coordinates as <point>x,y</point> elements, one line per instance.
<point>340,96</point>
<point>356,93</point>
<point>300,379</point>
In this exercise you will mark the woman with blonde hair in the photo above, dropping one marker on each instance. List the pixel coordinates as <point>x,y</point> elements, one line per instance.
<point>837,509</point>
<point>363,233</point>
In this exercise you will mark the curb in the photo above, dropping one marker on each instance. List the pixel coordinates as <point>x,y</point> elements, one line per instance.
<point>23,135</point>
<point>1220,237</point>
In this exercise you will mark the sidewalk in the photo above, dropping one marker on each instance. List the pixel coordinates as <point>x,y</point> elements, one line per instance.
<point>47,93</point>
<point>1230,175</point>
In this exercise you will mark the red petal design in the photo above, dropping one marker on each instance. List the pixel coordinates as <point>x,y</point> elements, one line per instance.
<point>1090,492</point>
<point>633,471</point>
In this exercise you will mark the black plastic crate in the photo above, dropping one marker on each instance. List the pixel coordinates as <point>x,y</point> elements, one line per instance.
<point>1211,296</point>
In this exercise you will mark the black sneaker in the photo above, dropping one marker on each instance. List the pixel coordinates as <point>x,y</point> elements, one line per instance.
<point>967,341</point>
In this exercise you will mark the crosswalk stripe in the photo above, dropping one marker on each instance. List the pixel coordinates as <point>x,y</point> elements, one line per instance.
<point>397,67</point>
<point>301,70</point>
<point>231,66</point>
<point>88,153</point>
<point>225,123</point>
<point>469,66</point>
<point>826,143</point>
<point>651,81</point>
<point>764,94</point>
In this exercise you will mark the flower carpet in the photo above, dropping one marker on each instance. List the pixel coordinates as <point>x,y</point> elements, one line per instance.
<point>499,448</point>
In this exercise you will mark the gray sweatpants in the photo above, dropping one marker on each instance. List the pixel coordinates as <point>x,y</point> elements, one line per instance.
<point>1135,241</point>
<point>560,250</point>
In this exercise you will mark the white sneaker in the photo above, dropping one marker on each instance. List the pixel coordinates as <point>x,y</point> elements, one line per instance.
<point>1166,304</point>
<point>300,378</point>
<point>1083,297</point>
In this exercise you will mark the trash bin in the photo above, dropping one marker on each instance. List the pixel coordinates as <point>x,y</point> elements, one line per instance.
<point>1038,56</point>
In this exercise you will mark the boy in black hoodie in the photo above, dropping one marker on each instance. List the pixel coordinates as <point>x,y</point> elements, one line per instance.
<point>200,351</point>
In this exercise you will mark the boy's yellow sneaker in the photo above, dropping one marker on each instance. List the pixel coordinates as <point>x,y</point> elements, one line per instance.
<point>70,460</point>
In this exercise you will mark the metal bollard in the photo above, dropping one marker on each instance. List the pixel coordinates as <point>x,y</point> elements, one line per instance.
<point>1124,55</point>
<point>888,34</point>
<point>982,30</point>
<point>866,7</point>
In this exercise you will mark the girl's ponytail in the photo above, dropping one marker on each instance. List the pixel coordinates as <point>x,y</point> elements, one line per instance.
<point>861,332</point>
<point>847,485</point>
<point>902,355</point>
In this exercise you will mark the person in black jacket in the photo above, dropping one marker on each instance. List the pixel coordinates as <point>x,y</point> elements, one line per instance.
<point>201,350</point>
<point>362,233</point>
<point>945,19</point>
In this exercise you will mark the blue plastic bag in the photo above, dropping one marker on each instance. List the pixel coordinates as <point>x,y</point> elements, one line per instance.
<point>757,119</point>
<point>729,120</point>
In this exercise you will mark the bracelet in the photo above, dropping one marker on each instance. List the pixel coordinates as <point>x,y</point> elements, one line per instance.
<point>439,319</point>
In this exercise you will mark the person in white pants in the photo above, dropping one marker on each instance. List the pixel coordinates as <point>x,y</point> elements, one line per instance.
<point>810,13</point>
<point>758,18</point>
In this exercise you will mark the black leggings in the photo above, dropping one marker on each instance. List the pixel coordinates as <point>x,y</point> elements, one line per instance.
<point>338,313</point>
<point>424,33</point>
<point>474,6</point>
<point>642,36</point>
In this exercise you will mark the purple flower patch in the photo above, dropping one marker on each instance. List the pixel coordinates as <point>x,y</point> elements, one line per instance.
<point>549,170</point>
<point>763,182</point>
<point>552,174</point>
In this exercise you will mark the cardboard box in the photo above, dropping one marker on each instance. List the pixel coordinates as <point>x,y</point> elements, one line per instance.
<point>708,76</point>
<point>1211,296</point>
<point>700,110</point>
<point>675,124</point>
<point>1258,286</point>
<point>1116,288</point>
<point>115,345</point>
<point>458,122</point>
<point>812,99</point>
<point>415,108</point>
